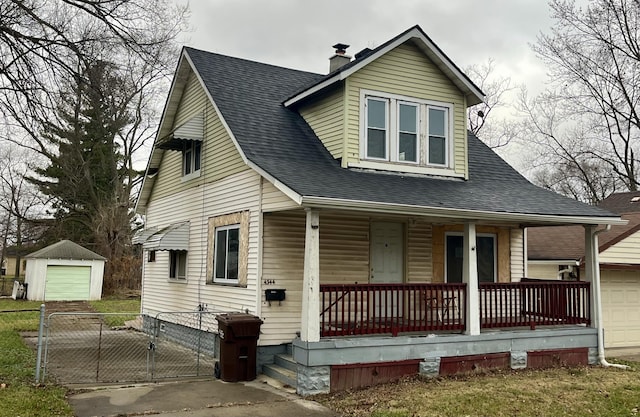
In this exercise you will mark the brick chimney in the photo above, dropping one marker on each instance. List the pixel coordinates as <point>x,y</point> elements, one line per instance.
<point>339,59</point>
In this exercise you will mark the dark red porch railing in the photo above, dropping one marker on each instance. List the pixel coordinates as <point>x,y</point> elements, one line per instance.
<point>535,302</point>
<point>359,309</point>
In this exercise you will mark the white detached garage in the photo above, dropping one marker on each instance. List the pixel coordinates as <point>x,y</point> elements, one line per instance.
<point>64,271</point>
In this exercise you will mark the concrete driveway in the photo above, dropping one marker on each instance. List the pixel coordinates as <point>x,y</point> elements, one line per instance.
<point>195,398</point>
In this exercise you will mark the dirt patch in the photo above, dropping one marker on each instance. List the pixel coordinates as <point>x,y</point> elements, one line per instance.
<point>67,307</point>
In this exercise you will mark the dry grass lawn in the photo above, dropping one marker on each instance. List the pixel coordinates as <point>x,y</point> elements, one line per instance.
<point>590,391</point>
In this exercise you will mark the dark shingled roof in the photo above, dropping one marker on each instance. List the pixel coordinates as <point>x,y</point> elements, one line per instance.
<point>567,242</point>
<point>249,96</point>
<point>65,249</point>
<point>622,202</point>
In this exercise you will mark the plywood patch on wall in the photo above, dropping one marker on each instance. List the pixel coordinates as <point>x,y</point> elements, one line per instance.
<point>242,219</point>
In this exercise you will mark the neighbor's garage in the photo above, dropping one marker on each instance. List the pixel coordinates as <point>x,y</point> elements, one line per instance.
<point>620,291</point>
<point>64,271</point>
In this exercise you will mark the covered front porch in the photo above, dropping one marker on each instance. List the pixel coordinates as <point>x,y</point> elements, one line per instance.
<point>392,309</point>
<point>391,328</point>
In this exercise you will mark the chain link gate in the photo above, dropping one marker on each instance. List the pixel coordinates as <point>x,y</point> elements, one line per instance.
<point>90,348</point>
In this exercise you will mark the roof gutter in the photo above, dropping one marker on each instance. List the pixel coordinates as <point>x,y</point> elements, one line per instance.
<point>405,209</point>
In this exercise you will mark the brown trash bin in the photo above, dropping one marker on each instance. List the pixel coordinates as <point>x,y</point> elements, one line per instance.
<point>239,334</point>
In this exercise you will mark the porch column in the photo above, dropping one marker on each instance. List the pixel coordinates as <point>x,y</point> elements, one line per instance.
<point>310,326</point>
<point>470,277</point>
<point>592,271</point>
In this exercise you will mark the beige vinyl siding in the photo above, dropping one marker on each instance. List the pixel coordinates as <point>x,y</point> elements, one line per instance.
<point>620,307</point>
<point>344,259</point>
<point>517,254</point>
<point>220,158</point>
<point>274,199</point>
<point>419,250</point>
<point>236,193</point>
<point>326,118</point>
<point>542,270</point>
<point>627,251</point>
<point>405,71</point>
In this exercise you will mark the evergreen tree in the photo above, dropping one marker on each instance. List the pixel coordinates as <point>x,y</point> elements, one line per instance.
<point>85,176</point>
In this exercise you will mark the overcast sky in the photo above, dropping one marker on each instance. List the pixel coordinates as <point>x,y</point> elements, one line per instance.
<point>299,33</point>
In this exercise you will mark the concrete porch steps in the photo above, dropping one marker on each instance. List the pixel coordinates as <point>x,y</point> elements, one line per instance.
<point>284,369</point>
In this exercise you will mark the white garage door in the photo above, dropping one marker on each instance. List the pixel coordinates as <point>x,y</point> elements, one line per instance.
<point>621,308</point>
<point>67,283</point>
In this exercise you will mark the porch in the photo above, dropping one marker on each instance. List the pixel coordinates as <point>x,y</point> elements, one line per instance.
<point>392,309</point>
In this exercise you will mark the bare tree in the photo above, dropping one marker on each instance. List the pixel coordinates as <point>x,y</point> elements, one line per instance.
<point>588,123</point>
<point>46,46</point>
<point>44,41</point>
<point>20,201</point>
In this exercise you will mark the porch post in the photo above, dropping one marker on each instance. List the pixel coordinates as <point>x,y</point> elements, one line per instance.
<point>592,270</point>
<point>470,277</point>
<point>310,326</point>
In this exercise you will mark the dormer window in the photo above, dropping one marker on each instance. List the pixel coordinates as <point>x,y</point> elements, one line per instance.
<point>191,154</point>
<point>405,131</point>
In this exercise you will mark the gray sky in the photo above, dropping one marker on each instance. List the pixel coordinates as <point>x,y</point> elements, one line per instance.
<point>299,34</point>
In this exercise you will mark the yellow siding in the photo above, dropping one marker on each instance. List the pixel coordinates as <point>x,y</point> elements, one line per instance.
<point>274,199</point>
<point>344,258</point>
<point>405,71</point>
<point>236,193</point>
<point>517,254</point>
<point>542,270</point>
<point>419,252</point>
<point>220,158</point>
<point>326,118</point>
<point>627,251</point>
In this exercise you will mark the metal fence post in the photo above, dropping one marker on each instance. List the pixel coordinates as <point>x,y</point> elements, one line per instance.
<point>40,334</point>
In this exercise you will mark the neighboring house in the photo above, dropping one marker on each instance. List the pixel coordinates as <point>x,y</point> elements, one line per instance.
<point>64,271</point>
<point>559,253</point>
<point>11,256</point>
<point>394,236</point>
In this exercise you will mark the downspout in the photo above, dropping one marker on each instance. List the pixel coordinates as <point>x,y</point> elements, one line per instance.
<point>600,329</point>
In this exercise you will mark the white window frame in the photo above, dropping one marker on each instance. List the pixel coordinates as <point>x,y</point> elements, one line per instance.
<point>495,253</point>
<point>397,132</point>
<point>174,266</point>
<point>225,280</point>
<point>387,128</point>
<point>190,148</point>
<point>447,139</point>
<point>392,162</point>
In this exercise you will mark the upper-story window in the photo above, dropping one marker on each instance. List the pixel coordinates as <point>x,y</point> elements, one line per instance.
<point>191,155</point>
<point>408,131</point>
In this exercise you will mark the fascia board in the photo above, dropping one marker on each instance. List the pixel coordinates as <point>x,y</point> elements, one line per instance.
<point>471,215</point>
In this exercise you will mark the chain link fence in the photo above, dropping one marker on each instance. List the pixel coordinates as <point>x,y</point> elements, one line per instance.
<point>128,347</point>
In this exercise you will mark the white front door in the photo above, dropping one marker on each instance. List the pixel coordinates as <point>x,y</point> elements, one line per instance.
<point>387,267</point>
<point>387,249</point>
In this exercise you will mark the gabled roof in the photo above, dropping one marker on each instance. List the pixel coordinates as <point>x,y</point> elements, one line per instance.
<point>65,249</point>
<point>567,242</point>
<point>278,144</point>
<point>418,37</point>
<point>622,202</point>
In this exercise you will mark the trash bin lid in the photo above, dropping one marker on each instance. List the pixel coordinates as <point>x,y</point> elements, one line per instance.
<point>237,318</point>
